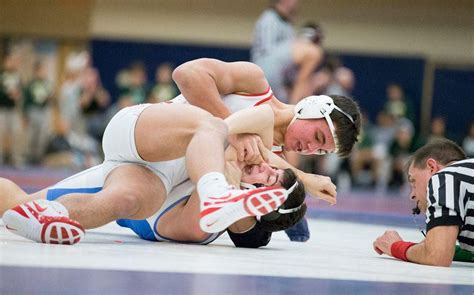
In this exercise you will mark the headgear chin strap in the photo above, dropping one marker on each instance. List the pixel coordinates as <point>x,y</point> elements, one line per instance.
<point>317,107</point>
<point>246,185</point>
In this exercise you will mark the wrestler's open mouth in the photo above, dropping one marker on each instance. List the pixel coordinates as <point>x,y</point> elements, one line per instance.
<point>299,147</point>
<point>248,169</point>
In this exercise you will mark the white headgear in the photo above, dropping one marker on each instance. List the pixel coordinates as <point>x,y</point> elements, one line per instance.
<point>317,107</point>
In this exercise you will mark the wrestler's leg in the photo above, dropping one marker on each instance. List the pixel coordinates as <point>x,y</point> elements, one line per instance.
<point>130,191</point>
<point>12,195</point>
<point>164,131</point>
<point>181,223</point>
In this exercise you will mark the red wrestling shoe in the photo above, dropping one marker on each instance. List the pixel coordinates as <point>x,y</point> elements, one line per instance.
<point>218,213</point>
<point>43,222</point>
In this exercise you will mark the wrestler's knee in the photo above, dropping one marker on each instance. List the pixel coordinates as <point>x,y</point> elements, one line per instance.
<point>124,203</point>
<point>214,125</point>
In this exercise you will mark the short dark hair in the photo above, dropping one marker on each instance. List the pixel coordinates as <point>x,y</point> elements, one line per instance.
<point>442,150</point>
<point>275,221</point>
<point>346,131</point>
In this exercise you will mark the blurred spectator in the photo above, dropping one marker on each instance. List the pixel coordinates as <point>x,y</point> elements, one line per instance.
<point>343,82</point>
<point>276,48</point>
<point>76,64</point>
<point>400,150</point>
<point>38,95</point>
<point>321,80</point>
<point>67,149</point>
<point>364,163</point>
<point>59,152</point>
<point>397,104</point>
<point>383,134</point>
<point>468,141</point>
<point>333,78</point>
<point>94,100</point>
<point>133,84</point>
<point>438,128</point>
<point>164,88</point>
<point>10,120</point>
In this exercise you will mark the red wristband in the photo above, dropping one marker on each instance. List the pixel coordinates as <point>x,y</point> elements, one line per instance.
<point>399,249</point>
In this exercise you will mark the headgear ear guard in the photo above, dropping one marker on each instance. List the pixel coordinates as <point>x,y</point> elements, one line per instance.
<point>282,209</point>
<point>317,107</point>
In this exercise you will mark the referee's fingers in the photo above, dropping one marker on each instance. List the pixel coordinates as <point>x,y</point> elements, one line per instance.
<point>380,252</point>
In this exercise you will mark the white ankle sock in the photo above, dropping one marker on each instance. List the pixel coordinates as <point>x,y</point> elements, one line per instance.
<point>212,184</point>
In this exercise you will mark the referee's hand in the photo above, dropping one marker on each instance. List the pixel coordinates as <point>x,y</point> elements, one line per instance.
<point>383,244</point>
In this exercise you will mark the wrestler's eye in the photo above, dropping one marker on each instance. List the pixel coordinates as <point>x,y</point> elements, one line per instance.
<point>321,152</point>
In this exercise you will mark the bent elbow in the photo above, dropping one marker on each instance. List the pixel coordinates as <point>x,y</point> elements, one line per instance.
<point>440,260</point>
<point>442,263</point>
<point>189,71</point>
<point>181,73</point>
<point>259,73</point>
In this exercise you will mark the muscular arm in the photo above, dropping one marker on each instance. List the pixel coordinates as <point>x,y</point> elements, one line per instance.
<point>316,185</point>
<point>258,120</point>
<point>202,81</point>
<point>438,247</point>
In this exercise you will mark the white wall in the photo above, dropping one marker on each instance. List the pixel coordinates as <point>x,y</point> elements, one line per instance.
<point>441,30</point>
<point>45,18</point>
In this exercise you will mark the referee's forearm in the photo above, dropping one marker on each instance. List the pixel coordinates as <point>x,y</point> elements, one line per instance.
<point>422,253</point>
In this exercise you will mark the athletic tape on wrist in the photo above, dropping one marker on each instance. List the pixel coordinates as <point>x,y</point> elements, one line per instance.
<point>399,249</point>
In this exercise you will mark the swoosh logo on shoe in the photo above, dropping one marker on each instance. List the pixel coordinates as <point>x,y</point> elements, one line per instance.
<point>39,208</point>
<point>211,224</point>
<point>10,228</point>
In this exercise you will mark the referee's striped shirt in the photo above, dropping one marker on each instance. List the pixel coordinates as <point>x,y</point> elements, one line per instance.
<point>451,200</point>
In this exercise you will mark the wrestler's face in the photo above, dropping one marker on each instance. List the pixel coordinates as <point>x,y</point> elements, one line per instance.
<point>418,179</point>
<point>263,174</point>
<point>309,137</point>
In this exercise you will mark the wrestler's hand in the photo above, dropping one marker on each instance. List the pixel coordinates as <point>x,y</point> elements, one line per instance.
<point>320,187</point>
<point>232,173</point>
<point>383,244</point>
<point>250,148</point>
